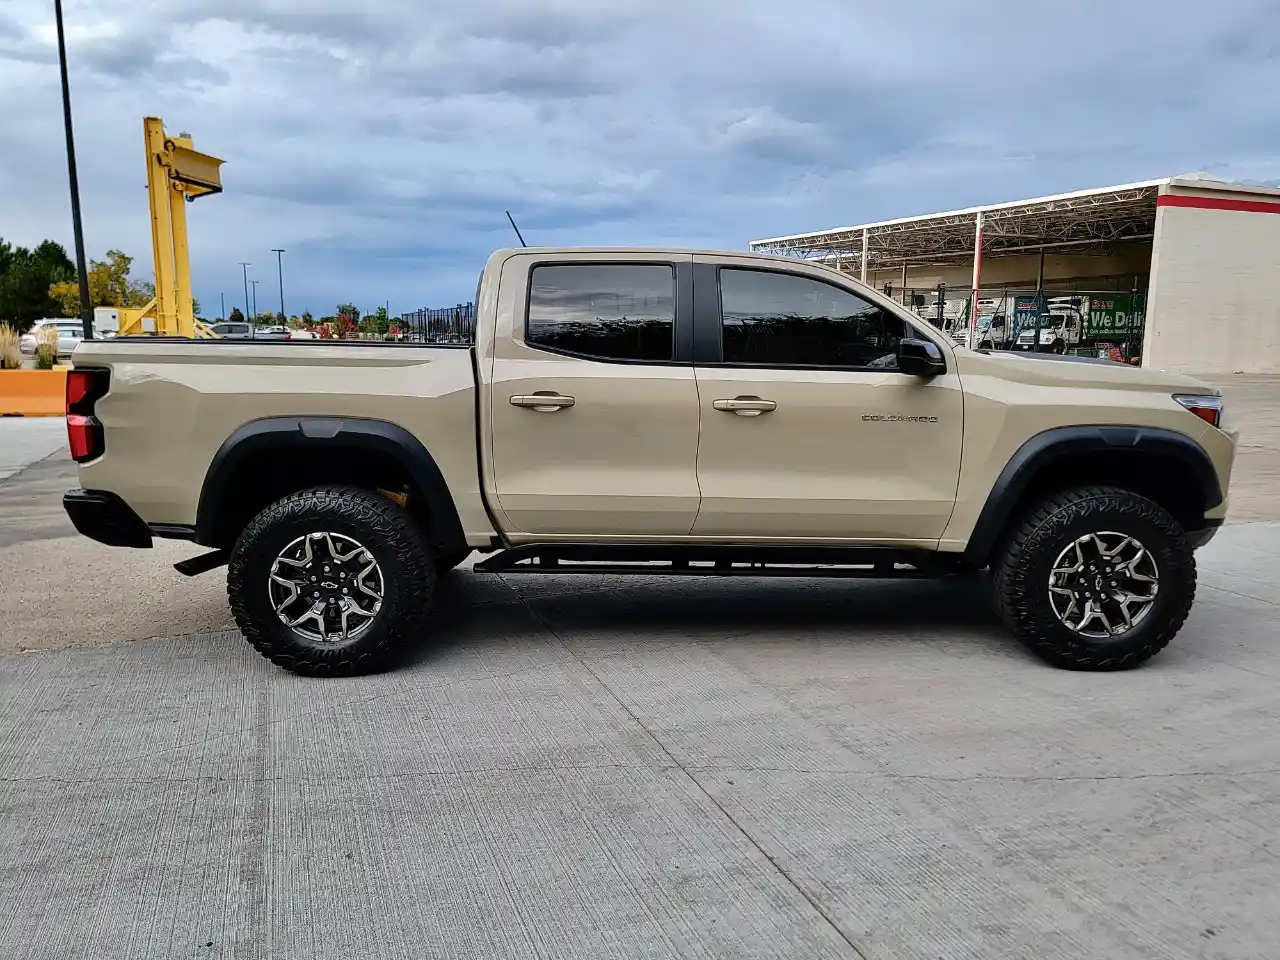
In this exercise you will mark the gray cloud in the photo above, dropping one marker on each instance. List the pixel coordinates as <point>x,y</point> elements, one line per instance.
<point>379,141</point>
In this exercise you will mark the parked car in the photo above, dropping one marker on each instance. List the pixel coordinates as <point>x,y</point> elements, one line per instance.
<point>70,334</point>
<point>233,331</point>
<point>655,412</point>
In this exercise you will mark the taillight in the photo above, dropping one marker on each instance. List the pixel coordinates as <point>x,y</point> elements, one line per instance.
<point>84,431</point>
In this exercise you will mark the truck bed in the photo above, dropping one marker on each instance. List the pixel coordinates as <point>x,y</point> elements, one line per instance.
<point>174,402</point>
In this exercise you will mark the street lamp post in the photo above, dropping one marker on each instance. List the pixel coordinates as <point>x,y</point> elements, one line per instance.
<point>244,267</point>
<point>280,274</point>
<point>222,299</point>
<point>254,285</point>
<point>86,305</point>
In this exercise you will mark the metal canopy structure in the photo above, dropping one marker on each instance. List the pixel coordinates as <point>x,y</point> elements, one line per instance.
<point>1085,221</point>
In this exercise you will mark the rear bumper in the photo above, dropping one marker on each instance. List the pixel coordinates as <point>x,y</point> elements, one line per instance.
<point>106,518</point>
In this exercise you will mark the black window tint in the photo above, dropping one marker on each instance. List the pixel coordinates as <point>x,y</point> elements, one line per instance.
<point>611,311</point>
<point>778,319</point>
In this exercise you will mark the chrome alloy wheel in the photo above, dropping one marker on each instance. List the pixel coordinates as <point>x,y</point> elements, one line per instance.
<point>326,587</point>
<point>1103,585</point>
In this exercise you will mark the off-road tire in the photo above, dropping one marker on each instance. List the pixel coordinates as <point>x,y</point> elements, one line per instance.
<point>445,562</point>
<point>1021,575</point>
<point>383,528</point>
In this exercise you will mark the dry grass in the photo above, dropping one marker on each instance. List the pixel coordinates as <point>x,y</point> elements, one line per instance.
<point>46,347</point>
<point>10,352</point>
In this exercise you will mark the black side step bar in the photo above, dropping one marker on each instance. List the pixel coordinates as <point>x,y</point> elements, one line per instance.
<point>716,561</point>
<point>203,563</point>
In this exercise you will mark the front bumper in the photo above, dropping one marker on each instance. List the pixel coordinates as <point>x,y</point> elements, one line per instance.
<point>1198,538</point>
<point>104,517</point>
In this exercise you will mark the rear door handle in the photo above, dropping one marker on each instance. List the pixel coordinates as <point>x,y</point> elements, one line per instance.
<point>745,406</point>
<point>543,402</point>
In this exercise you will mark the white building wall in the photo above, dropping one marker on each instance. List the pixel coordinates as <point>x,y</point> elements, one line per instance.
<point>1214,302</point>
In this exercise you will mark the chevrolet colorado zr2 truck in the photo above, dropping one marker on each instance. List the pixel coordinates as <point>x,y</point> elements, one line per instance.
<point>659,413</point>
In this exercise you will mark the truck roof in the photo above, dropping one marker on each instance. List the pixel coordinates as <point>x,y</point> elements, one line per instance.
<point>683,251</point>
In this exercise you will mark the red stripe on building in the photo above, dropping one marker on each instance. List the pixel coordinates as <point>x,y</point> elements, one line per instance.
<point>1216,203</point>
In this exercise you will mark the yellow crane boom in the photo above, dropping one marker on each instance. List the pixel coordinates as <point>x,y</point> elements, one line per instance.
<point>177,173</point>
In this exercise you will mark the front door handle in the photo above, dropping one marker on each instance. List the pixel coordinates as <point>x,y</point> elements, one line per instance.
<point>745,406</point>
<point>543,402</point>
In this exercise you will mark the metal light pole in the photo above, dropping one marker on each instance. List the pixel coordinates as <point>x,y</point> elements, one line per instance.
<point>244,267</point>
<point>254,285</point>
<point>86,305</point>
<point>222,299</point>
<point>280,274</point>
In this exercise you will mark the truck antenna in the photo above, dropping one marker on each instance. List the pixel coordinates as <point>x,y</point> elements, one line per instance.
<point>515,228</point>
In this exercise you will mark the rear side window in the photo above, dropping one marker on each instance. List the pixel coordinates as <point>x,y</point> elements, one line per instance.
<point>622,311</point>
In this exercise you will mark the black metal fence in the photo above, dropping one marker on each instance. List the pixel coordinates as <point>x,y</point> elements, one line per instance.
<point>442,325</point>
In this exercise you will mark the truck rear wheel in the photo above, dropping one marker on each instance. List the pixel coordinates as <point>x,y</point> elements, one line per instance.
<point>1095,578</point>
<point>330,581</point>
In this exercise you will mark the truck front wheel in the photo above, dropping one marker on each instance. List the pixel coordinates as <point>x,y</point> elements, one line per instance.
<point>330,581</point>
<point>1095,578</point>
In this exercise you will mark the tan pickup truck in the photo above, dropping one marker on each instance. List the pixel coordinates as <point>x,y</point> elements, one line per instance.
<point>660,413</point>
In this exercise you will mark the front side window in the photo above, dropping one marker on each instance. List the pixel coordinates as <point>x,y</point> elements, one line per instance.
<point>623,311</point>
<point>784,320</point>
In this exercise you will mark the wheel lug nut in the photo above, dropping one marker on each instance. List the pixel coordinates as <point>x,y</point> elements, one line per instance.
<point>316,594</point>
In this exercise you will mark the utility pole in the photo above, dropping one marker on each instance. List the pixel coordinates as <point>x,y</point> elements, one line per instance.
<point>254,285</point>
<point>244,267</point>
<point>86,305</point>
<point>222,299</point>
<point>280,274</point>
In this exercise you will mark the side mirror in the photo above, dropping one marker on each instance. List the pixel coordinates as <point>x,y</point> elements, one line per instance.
<point>920,358</point>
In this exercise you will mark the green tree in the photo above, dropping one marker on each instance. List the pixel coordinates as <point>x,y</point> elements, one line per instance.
<point>236,316</point>
<point>109,286</point>
<point>25,279</point>
<point>307,319</point>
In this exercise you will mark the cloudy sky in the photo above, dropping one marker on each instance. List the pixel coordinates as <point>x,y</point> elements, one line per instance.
<point>379,141</point>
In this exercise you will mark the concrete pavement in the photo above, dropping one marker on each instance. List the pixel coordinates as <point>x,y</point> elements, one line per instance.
<point>593,767</point>
<point>58,589</point>
<point>26,440</point>
<point>598,767</point>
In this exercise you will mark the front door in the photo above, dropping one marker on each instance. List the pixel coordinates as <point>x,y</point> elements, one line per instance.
<point>809,431</point>
<point>594,409</point>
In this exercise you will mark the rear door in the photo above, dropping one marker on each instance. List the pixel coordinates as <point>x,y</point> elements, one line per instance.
<point>809,431</point>
<point>592,400</point>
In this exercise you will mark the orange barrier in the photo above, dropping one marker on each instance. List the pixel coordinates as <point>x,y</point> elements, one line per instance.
<point>33,393</point>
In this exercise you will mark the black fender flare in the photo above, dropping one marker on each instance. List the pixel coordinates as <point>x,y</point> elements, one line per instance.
<point>276,433</point>
<point>1044,448</point>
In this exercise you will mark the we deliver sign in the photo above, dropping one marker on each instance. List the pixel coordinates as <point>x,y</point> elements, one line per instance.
<point>1119,315</point>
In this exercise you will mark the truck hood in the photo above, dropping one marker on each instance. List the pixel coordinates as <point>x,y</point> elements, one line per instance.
<point>1051,369</point>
